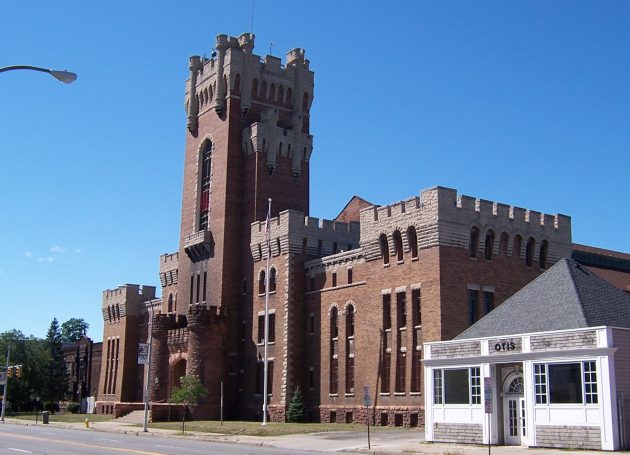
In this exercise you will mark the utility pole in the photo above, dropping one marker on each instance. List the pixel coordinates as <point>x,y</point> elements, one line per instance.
<point>6,385</point>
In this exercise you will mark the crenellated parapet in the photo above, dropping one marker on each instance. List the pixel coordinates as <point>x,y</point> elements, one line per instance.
<point>126,300</point>
<point>169,266</point>
<point>203,315</point>
<point>279,90</point>
<point>269,138</point>
<point>292,232</point>
<point>442,218</point>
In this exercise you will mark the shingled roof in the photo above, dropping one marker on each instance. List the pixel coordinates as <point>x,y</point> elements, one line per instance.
<point>567,296</point>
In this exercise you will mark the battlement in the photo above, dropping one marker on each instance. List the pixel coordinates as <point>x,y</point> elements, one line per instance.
<point>293,232</point>
<point>129,292</point>
<point>234,70</point>
<point>441,217</point>
<point>169,269</point>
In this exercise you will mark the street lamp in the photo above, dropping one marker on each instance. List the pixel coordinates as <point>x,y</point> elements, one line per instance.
<point>64,76</point>
<point>148,376</point>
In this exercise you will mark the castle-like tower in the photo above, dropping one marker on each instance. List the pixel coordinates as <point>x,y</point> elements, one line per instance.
<point>247,141</point>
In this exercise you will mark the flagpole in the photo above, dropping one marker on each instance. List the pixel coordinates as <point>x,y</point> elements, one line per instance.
<point>265,371</point>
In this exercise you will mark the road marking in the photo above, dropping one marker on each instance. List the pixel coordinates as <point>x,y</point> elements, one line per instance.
<point>81,444</point>
<point>108,440</point>
<point>19,450</point>
<point>170,447</point>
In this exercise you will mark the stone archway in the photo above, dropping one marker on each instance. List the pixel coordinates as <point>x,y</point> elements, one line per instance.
<point>176,371</point>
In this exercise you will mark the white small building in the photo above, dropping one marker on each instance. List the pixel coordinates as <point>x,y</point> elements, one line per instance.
<point>550,367</point>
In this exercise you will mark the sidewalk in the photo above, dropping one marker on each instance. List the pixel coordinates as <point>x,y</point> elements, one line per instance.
<point>382,443</point>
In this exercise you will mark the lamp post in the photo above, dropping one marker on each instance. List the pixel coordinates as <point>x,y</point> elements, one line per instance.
<point>61,75</point>
<point>148,377</point>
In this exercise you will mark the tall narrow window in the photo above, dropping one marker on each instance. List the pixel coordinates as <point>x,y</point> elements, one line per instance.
<point>334,355</point>
<point>529,251</point>
<point>412,238</point>
<point>503,243</point>
<point>261,328</point>
<point>170,303</point>
<point>350,349</point>
<point>270,377</point>
<point>261,282</point>
<point>204,198</point>
<point>384,248</point>
<point>489,245</point>
<point>349,276</point>
<point>544,251</point>
<point>280,93</point>
<point>401,351</point>
<point>205,284</point>
<point>272,328</point>
<point>272,279</point>
<point>416,316</point>
<point>386,344</point>
<point>473,305</point>
<point>198,288</point>
<point>474,242</point>
<point>398,246</point>
<point>516,247</point>
<point>334,279</point>
<point>192,288</point>
<point>255,87</point>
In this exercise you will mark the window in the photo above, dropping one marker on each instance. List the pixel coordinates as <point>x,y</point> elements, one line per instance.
<point>272,92</point>
<point>261,282</point>
<point>350,321</point>
<point>416,310</point>
<point>272,328</point>
<point>334,376</point>
<point>334,279</point>
<point>384,248</point>
<point>398,246</point>
<point>401,371</point>
<point>386,344</point>
<point>311,378</point>
<point>349,276</point>
<point>192,287</point>
<point>563,383</point>
<point>280,93</point>
<point>412,238</point>
<point>489,245</point>
<point>529,251</point>
<point>350,349</point>
<point>170,303</point>
<point>401,307</point>
<point>205,283</point>
<point>204,198</point>
<point>334,324</point>
<point>387,312</point>
<point>516,247</point>
<point>474,242</point>
<point>255,88</point>
<point>272,280</point>
<point>503,243</point>
<point>457,386</point>
<point>488,301</point>
<point>544,249</point>
<point>416,316</point>
<point>473,305</point>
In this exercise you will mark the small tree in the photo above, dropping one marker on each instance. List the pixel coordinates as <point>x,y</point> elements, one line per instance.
<point>190,391</point>
<point>297,411</point>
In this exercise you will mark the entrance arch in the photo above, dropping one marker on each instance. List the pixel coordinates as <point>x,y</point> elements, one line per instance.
<point>177,370</point>
<point>514,425</point>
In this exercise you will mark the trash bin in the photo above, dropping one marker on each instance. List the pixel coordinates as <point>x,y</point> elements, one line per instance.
<point>45,415</point>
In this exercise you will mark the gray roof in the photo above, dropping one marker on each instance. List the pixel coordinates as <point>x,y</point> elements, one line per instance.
<point>567,296</point>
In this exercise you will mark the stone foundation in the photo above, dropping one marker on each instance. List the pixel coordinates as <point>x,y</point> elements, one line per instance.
<point>400,416</point>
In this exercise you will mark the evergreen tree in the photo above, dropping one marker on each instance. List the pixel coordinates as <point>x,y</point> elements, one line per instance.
<point>297,411</point>
<point>56,381</point>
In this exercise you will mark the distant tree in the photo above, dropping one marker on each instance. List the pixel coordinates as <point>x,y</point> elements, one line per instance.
<point>296,411</point>
<point>56,381</point>
<point>30,352</point>
<point>73,329</point>
<point>190,391</point>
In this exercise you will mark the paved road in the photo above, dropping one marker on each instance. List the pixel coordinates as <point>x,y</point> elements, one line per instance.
<point>21,439</point>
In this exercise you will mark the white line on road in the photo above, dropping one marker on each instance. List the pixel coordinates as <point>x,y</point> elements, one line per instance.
<point>108,440</point>
<point>170,447</point>
<point>19,450</point>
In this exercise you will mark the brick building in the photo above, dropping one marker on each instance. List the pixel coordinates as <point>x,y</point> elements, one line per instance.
<point>83,363</point>
<point>351,300</point>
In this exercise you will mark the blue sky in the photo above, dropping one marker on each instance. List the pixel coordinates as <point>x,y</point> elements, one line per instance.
<point>526,103</point>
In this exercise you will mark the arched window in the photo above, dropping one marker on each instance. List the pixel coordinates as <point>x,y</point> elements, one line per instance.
<point>489,245</point>
<point>272,92</point>
<point>398,245</point>
<point>412,238</point>
<point>516,247</point>
<point>255,87</point>
<point>305,102</point>
<point>544,251</point>
<point>280,93</point>
<point>272,280</point>
<point>474,242</point>
<point>170,303</point>
<point>350,349</point>
<point>384,248</point>
<point>503,243</point>
<point>334,323</point>
<point>204,197</point>
<point>529,252</point>
<point>261,282</point>
<point>289,95</point>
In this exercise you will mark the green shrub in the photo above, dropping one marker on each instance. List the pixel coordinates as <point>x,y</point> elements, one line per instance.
<point>73,407</point>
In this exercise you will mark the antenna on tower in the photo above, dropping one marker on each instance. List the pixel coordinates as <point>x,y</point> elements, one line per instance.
<point>251,24</point>
<point>270,47</point>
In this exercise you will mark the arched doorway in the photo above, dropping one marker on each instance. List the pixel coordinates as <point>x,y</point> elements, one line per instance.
<point>514,428</point>
<point>178,369</point>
